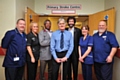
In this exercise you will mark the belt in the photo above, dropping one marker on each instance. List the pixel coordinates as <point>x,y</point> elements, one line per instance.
<point>62,51</point>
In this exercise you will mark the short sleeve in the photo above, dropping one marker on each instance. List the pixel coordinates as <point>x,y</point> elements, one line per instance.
<point>29,40</point>
<point>90,41</point>
<point>7,39</point>
<point>113,40</point>
<point>79,40</point>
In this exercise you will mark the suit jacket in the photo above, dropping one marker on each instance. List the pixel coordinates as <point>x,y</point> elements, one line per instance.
<point>77,35</point>
<point>44,40</point>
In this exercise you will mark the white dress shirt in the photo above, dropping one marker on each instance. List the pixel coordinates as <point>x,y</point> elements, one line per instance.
<point>49,32</point>
<point>72,31</point>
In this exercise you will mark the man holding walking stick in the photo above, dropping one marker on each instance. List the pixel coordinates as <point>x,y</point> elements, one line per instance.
<point>61,48</point>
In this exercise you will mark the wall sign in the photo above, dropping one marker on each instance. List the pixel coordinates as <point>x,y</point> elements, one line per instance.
<point>63,12</point>
<point>106,17</point>
<point>63,8</point>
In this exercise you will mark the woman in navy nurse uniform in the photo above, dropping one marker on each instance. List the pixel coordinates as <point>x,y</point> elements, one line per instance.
<point>85,53</point>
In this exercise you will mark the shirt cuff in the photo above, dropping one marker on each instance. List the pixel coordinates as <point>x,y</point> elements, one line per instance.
<point>55,56</point>
<point>67,56</point>
<point>28,44</point>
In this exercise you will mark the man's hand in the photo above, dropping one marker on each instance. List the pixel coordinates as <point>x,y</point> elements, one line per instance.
<point>63,59</point>
<point>58,60</point>
<point>109,59</point>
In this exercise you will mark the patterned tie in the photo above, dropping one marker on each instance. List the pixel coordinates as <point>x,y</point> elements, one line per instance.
<point>62,40</point>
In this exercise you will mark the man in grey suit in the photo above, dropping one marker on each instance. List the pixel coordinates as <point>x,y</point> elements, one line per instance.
<point>45,55</point>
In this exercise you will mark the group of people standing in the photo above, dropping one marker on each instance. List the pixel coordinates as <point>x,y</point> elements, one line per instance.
<point>66,46</point>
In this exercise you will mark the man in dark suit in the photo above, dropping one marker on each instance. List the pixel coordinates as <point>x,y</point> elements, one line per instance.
<point>73,60</point>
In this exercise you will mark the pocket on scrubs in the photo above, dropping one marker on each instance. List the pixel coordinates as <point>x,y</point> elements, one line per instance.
<point>107,47</point>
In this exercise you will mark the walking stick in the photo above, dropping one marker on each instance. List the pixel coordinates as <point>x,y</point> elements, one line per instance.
<point>61,70</point>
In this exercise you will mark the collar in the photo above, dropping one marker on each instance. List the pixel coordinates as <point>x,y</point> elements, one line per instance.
<point>45,30</point>
<point>60,31</point>
<point>48,30</point>
<point>71,29</point>
<point>86,36</point>
<point>16,30</point>
<point>104,33</point>
<point>33,33</point>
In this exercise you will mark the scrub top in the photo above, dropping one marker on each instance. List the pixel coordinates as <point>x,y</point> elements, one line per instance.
<point>33,42</point>
<point>84,44</point>
<point>15,44</point>
<point>103,45</point>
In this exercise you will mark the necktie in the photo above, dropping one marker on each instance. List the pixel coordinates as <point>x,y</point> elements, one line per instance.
<point>62,40</point>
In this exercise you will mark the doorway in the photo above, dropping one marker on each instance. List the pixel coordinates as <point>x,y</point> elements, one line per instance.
<point>80,21</point>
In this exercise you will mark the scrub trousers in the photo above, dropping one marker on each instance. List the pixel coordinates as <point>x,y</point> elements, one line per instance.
<point>12,73</point>
<point>103,71</point>
<point>87,71</point>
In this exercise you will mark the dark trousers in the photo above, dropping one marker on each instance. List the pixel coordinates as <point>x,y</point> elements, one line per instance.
<point>87,71</point>
<point>56,66</point>
<point>103,71</point>
<point>14,73</point>
<point>31,70</point>
<point>73,64</point>
<point>42,69</point>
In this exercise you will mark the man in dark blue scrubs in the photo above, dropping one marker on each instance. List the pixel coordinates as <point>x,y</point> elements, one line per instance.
<point>104,49</point>
<point>14,46</point>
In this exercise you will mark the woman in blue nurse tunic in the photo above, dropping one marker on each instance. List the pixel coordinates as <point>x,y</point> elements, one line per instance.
<point>85,53</point>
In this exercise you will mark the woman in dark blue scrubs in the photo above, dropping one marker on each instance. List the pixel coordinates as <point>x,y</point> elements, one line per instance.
<point>85,53</point>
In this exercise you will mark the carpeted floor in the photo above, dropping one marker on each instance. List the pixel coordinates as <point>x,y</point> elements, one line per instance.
<point>46,76</point>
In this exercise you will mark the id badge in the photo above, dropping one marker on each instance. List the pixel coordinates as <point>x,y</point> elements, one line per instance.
<point>16,59</point>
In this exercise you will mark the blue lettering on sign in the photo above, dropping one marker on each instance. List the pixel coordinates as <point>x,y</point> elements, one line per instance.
<point>106,17</point>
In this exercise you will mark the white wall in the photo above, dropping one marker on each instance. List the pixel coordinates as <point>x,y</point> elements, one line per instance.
<point>2,75</point>
<point>88,6</point>
<point>10,11</point>
<point>20,7</point>
<point>7,16</point>
<point>7,21</point>
<point>109,4</point>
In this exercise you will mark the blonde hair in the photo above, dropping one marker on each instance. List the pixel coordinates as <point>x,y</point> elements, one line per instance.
<point>31,25</point>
